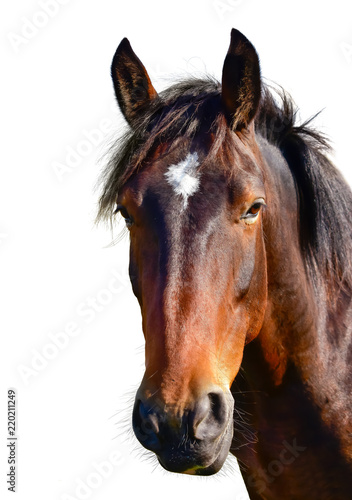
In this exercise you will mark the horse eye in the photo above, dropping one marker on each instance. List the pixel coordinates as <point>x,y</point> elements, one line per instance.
<point>251,215</point>
<point>125,215</point>
<point>254,210</point>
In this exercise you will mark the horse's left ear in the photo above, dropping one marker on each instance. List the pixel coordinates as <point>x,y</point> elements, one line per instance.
<point>240,82</point>
<point>133,88</point>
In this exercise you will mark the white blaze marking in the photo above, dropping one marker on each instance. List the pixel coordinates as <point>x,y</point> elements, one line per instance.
<point>184,177</point>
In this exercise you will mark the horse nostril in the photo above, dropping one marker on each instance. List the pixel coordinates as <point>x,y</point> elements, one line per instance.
<point>149,417</point>
<point>145,425</point>
<point>210,416</point>
<point>218,406</point>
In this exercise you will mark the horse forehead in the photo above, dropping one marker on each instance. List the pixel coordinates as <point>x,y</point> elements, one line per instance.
<point>176,179</point>
<point>184,177</point>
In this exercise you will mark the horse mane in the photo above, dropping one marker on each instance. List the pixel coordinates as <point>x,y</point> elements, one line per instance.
<point>325,199</point>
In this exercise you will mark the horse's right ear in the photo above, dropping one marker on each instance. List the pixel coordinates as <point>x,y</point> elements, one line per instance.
<point>241,88</point>
<point>133,88</point>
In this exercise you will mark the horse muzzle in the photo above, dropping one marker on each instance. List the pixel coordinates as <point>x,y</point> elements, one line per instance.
<point>193,438</point>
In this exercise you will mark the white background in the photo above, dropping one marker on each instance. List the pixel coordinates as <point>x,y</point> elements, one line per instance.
<point>55,91</point>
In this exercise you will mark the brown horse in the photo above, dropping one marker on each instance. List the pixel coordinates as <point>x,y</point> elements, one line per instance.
<point>240,258</point>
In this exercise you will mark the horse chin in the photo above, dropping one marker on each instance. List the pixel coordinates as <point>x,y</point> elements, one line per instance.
<point>214,467</point>
<point>198,464</point>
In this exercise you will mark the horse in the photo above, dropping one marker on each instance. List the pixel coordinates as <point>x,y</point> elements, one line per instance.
<point>240,234</point>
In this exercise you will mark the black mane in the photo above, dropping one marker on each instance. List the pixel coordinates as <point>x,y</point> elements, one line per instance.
<point>193,105</point>
<point>325,199</point>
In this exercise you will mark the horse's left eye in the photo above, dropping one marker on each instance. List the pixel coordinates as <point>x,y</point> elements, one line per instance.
<point>125,215</point>
<point>251,215</point>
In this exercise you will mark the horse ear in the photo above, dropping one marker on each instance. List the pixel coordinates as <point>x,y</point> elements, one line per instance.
<point>133,88</point>
<point>240,82</point>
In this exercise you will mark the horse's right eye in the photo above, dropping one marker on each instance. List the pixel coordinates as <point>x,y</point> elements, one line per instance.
<point>125,215</point>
